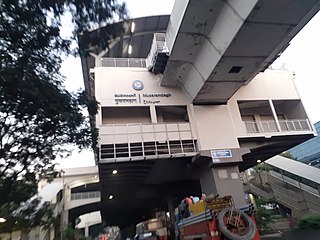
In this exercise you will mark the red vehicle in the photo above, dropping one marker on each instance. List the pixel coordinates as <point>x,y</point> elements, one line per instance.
<point>217,219</point>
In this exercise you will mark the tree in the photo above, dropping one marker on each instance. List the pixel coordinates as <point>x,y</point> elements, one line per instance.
<point>310,222</point>
<point>70,234</point>
<point>287,154</point>
<point>39,118</point>
<point>262,167</point>
<point>263,216</point>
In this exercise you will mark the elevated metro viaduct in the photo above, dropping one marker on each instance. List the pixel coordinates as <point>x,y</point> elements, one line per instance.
<point>184,105</point>
<point>74,192</point>
<point>289,183</point>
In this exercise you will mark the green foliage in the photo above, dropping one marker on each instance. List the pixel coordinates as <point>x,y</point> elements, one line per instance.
<point>263,216</point>
<point>277,217</point>
<point>287,155</point>
<point>27,215</point>
<point>261,167</point>
<point>70,234</point>
<point>39,118</point>
<point>310,222</point>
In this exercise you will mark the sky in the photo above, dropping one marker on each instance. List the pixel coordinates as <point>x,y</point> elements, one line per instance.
<point>302,57</point>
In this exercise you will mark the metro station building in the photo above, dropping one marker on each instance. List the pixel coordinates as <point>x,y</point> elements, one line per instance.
<point>187,102</point>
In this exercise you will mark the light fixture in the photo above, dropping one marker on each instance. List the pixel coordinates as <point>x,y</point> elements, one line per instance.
<point>2,220</point>
<point>95,176</point>
<point>114,172</point>
<point>110,197</point>
<point>130,49</point>
<point>258,161</point>
<point>133,26</point>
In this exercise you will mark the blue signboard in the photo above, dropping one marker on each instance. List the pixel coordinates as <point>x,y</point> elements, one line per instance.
<point>221,153</point>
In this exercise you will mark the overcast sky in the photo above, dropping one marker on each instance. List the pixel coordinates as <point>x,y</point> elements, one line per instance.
<point>302,57</point>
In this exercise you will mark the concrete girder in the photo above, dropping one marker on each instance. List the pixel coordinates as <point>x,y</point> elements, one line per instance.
<point>200,46</point>
<point>214,54</point>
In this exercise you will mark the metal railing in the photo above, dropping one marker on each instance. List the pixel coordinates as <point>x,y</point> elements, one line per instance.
<point>85,195</point>
<point>146,140</point>
<point>294,182</point>
<point>159,53</point>
<point>295,125</point>
<point>271,126</point>
<point>286,190</point>
<point>261,126</point>
<point>124,62</point>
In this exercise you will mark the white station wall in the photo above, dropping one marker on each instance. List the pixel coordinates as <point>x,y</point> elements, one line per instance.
<point>111,81</point>
<point>215,126</point>
<point>114,88</point>
<point>269,85</point>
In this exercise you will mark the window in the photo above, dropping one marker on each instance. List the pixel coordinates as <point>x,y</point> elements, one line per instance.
<point>123,115</point>
<point>167,114</point>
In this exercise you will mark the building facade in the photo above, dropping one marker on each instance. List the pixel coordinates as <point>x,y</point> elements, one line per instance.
<point>309,151</point>
<point>139,120</point>
<point>186,102</point>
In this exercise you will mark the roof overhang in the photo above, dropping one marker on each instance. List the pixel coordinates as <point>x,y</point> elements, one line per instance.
<point>113,40</point>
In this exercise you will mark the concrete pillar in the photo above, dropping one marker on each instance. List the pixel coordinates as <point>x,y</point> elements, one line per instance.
<point>224,181</point>
<point>171,210</point>
<point>153,114</point>
<point>207,182</point>
<point>274,113</point>
<point>65,205</point>
<point>86,229</point>
<point>171,207</point>
<point>65,219</point>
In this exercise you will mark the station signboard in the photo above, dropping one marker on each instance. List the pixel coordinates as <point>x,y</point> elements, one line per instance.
<point>221,153</point>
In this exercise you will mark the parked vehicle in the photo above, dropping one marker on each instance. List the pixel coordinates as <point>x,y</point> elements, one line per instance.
<point>158,225</point>
<point>216,219</point>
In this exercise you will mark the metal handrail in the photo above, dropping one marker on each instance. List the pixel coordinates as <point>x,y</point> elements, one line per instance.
<point>261,126</point>
<point>295,125</point>
<point>163,145</point>
<point>145,124</point>
<point>124,62</point>
<point>85,195</point>
<point>296,183</point>
<point>271,125</point>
